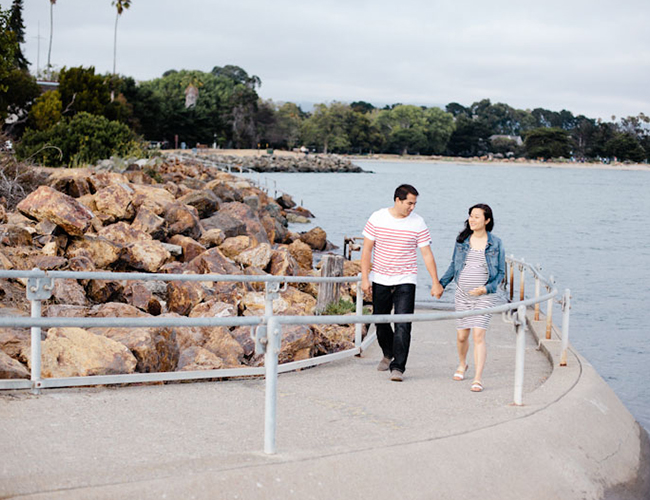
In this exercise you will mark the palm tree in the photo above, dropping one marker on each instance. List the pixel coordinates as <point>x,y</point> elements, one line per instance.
<point>120,5</point>
<point>49,51</point>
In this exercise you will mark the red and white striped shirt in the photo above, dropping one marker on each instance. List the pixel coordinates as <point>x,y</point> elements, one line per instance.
<point>396,241</point>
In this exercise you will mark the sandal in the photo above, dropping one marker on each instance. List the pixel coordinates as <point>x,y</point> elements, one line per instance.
<point>476,386</point>
<point>460,375</point>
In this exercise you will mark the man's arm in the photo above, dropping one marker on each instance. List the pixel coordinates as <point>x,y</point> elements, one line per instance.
<point>430,263</point>
<point>366,264</point>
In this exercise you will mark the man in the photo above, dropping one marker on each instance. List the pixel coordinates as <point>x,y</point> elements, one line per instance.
<point>389,270</point>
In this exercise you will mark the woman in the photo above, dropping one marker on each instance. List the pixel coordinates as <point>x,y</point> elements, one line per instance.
<point>477,267</point>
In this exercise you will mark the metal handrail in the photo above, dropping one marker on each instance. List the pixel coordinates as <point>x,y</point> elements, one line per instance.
<point>266,329</point>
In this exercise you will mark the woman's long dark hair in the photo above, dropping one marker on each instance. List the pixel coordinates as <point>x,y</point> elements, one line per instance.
<point>487,212</point>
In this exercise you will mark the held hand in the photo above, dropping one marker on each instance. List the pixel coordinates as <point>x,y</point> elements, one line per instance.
<point>437,290</point>
<point>478,291</point>
<point>366,287</point>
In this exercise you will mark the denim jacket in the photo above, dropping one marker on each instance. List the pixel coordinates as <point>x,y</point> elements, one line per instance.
<point>494,256</point>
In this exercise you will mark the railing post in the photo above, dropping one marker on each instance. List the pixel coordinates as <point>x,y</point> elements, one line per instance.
<point>549,313</point>
<point>537,290</point>
<point>566,309</point>
<point>36,349</point>
<point>358,328</point>
<point>274,336</point>
<point>520,325</point>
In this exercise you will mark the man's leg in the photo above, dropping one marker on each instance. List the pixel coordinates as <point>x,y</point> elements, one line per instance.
<point>382,303</point>
<point>404,302</point>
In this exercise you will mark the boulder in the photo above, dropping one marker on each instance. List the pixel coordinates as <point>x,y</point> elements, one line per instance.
<point>182,296</point>
<point>258,256</point>
<point>212,238</point>
<point>12,235</point>
<point>229,225</point>
<point>196,358</point>
<point>100,251</point>
<point>3,214</point>
<point>102,291</point>
<point>212,261</point>
<point>154,348</point>
<point>205,202</point>
<point>282,263</point>
<point>224,192</point>
<point>191,248</point>
<point>235,245</point>
<point>75,352</point>
<point>244,213</point>
<point>147,221</point>
<point>122,234</point>
<point>155,199</point>
<point>333,338</point>
<point>11,368</point>
<point>218,339</point>
<point>138,294</point>
<point>297,343</point>
<point>303,254</point>
<point>254,304</point>
<point>242,334</point>
<point>48,262</point>
<point>115,310</point>
<point>69,292</point>
<point>116,201</point>
<point>183,219</point>
<point>74,182</point>
<point>147,255</point>
<point>300,303</point>
<point>285,201</point>
<point>63,210</point>
<point>316,238</point>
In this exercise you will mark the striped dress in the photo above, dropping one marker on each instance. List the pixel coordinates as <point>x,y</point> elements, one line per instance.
<point>474,275</point>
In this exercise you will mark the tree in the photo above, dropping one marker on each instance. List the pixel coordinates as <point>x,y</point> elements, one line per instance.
<point>120,5</point>
<point>16,25</point>
<point>362,107</point>
<point>625,146</point>
<point>49,50</point>
<point>326,128</point>
<point>469,138</point>
<point>440,126</point>
<point>16,101</point>
<point>46,111</point>
<point>82,90</point>
<point>8,49</point>
<point>547,143</point>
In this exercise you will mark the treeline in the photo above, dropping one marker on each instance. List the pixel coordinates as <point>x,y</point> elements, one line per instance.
<point>90,116</point>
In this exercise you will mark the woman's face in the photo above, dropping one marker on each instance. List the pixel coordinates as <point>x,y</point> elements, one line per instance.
<point>477,220</point>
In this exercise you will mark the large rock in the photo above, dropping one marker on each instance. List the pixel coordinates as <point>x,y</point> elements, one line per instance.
<point>122,234</point>
<point>63,210</point>
<point>116,201</point>
<point>100,251</point>
<point>258,256</point>
<point>69,292</point>
<point>155,349</point>
<point>74,182</point>
<point>282,263</point>
<point>300,303</point>
<point>182,296</point>
<point>102,291</point>
<point>12,235</point>
<point>196,358</point>
<point>235,245</point>
<point>138,294</point>
<point>205,202</point>
<point>303,254</point>
<point>297,343</point>
<point>244,213</point>
<point>316,238</point>
<point>153,198</point>
<point>218,339</point>
<point>11,368</point>
<point>191,248</point>
<point>183,219</point>
<point>147,255</point>
<point>333,338</point>
<point>212,238</point>
<point>254,304</point>
<point>154,225</point>
<point>75,352</point>
<point>212,261</point>
<point>228,224</point>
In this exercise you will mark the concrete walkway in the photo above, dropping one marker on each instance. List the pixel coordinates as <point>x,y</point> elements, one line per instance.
<point>344,432</point>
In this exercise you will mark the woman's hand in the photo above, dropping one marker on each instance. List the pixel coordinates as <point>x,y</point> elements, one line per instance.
<point>476,292</point>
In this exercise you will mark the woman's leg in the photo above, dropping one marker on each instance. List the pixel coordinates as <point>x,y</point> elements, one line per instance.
<point>462,344</point>
<point>480,352</point>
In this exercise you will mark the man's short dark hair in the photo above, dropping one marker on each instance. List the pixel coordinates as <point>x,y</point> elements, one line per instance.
<point>404,190</point>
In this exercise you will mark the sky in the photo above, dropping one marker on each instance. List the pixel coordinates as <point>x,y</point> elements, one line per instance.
<point>591,57</point>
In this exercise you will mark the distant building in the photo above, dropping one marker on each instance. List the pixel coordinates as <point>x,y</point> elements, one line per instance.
<point>46,85</point>
<point>516,138</point>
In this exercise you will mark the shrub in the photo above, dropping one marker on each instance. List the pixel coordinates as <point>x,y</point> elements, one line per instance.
<point>342,307</point>
<point>82,139</point>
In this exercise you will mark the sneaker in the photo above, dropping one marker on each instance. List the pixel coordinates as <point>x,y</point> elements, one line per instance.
<point>383,365</point>
<point>396,376</point>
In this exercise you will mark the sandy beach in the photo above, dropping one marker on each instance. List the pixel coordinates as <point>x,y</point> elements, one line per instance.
<point>519,162</point>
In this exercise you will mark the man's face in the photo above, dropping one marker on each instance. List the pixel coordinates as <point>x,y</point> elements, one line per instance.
<point>403,208</point>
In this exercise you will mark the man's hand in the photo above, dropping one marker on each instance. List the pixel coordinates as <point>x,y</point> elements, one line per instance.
<point>366,287</point>
<point>437,290</point>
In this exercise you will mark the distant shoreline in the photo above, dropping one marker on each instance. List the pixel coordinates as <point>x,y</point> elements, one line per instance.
<point>444,160</point>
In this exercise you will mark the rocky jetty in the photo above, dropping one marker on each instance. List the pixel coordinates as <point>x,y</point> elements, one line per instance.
<point>162,216</point>
<point>276,162</point>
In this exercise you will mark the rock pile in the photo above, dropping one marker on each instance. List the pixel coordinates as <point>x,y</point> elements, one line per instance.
<point>277,163</point>
<point>170,217</point>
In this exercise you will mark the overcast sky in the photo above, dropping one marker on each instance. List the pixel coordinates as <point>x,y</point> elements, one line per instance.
<point>590,57</point>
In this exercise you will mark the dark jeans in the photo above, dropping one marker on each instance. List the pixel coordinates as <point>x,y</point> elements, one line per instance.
<point>394,344</point>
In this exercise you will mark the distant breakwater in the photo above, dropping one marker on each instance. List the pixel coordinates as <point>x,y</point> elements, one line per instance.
<point>264,162</point>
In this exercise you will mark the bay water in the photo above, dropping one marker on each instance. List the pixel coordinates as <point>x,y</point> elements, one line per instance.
<point>584,226</point>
